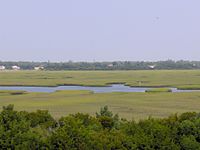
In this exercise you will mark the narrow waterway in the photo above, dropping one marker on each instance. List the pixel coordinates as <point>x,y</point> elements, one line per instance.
<point>109,89</point>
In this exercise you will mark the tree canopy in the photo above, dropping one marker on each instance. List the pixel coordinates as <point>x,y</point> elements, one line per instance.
<point>115,65</point>
<point>105,131</point>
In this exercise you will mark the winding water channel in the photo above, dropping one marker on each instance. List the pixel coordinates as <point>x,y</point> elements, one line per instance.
<point>109,89</point>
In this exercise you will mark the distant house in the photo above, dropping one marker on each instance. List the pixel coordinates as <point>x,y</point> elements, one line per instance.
<point>110,65</point>
<point>39,68</point>
<point>152,66</point>
<point>16,68</point>
<point>2,67</point>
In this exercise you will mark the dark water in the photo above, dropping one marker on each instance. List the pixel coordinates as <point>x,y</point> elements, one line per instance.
<point>112,88</point>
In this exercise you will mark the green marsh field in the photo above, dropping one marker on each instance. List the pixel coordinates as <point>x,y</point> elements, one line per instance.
<point>184,79</point>
<point>127,105</point>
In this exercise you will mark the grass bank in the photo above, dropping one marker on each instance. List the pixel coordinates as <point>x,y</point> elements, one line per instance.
<point>156,90</point>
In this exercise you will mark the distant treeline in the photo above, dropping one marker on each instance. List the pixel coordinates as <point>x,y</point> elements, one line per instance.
<point>23,130</point>
<point>116,65</point>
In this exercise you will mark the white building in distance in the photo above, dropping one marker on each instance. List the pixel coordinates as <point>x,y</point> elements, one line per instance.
<point>152,66</point>
<point>110,65</point>
<point>16,68</point>
<point>39,68</point>
<point>2,67</point>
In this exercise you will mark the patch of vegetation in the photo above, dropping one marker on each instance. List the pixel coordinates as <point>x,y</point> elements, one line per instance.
<point>155,90</point>
<point>12,92</point>
<point>189,87</point>
<point>144,78</point>
<point>105,131</point>
<point>127,105</point>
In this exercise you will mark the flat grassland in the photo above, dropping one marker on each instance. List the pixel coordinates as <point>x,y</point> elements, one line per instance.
<point>127,105</point>
<point>184,79</point>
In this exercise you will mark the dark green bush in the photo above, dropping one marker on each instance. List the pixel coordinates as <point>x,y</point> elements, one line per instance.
<point>38,130</point>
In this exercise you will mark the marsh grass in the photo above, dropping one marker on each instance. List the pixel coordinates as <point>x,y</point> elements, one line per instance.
<point>183,79</point>
<point>127,105</point>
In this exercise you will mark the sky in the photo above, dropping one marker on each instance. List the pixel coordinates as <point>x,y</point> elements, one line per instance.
<point>99,30</point>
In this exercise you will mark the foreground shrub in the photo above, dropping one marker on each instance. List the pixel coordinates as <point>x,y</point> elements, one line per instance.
<point>38,130</point>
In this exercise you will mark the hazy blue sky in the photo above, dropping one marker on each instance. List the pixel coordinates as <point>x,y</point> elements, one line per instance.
<point>101,30</point>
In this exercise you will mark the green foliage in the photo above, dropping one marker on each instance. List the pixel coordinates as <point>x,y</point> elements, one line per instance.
<point>104,112</point>
<point>107,119</point>
<point>189,143</point>
<point>16,133</point>
<point>42,118</point>
<point>38,130</point>
<point>188,116</point>
<point>72,134</point>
